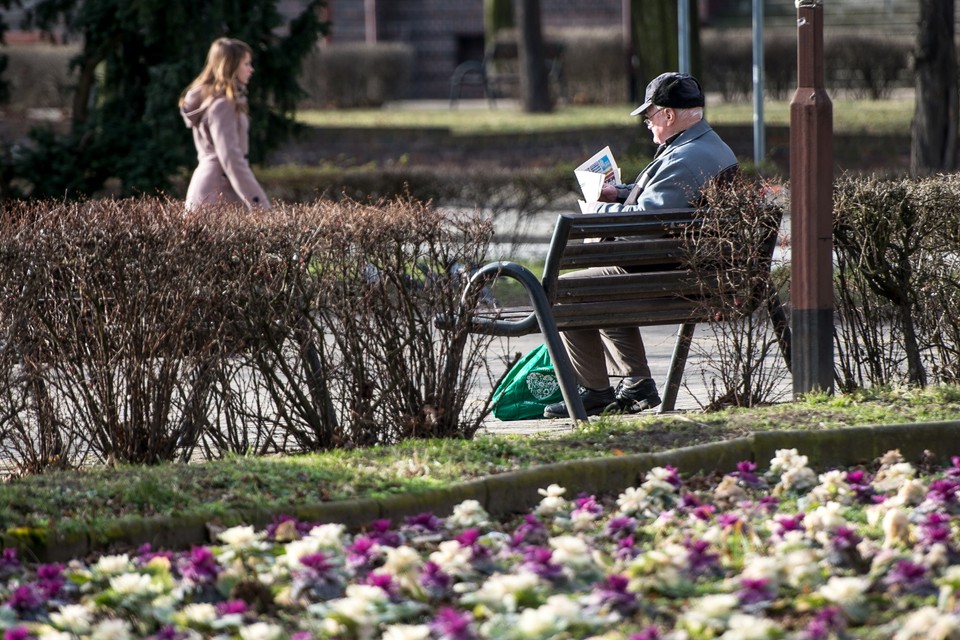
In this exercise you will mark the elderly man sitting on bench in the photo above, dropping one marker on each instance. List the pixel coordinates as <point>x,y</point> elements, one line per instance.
<point>690,155</point>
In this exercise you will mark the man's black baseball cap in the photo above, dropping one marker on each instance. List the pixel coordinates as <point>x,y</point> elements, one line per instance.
<point>672,89</point>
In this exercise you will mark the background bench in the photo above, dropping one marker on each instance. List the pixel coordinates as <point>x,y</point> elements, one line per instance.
<point>663,286</point>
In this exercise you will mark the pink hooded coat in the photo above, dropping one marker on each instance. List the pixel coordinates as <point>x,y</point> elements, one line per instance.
<point>220,133</point>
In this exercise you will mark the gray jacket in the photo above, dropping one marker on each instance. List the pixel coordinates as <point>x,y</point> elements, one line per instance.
<point>677,174</point>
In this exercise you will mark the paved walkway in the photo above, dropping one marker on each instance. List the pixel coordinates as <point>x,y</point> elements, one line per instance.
<point>659,342</point>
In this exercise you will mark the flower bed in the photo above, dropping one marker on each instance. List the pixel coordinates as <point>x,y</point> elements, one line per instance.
<point>784,554</point>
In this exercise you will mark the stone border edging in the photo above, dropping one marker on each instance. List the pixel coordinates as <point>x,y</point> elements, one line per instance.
<point>517,491</point>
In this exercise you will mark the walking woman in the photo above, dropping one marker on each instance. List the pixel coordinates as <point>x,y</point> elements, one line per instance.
<point>214,106</point>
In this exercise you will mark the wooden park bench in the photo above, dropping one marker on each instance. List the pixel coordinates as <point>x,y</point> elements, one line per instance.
<point>499,71</point>
<point>660,287</point>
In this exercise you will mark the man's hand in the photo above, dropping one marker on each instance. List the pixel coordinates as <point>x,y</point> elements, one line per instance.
<point>608,193</point>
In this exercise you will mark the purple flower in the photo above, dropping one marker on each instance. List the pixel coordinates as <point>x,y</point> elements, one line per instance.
<point>301,635</point>
<point>612,595</point>
<point>17,633</point>
<point>382,533</point>
<point>784,524</point>
<point>626,548</point>
<point>769,503</point>
<point>704,512</point>
<point>316,561</point>
<point>754,590</point>
<point>538,560</point>
<point>689,501</point>
<point>146,553</point>
<point>451,624</point>
<point>954,471</point>
<point>844,538</point>
<point>935,529</point>
<point>302,528</point>
<point>728,520</point>
<point>382,580</point>
<point>699,557</point>
<point>908,576</point>
<point>588,504</point>
<point>200,566</point>
<point>943,492</point>
<point>673,476</point>
<point>827,622</point>
<point>424,523</point>
<point>361,553</point>
<point>231,607</point>
<point>530,531</point>
<point>25,599</point>
<point>746,473</point>
<point>50,580</point>
<point>169,632</point>
<point>620,527</point>
<point>649,633</point>
<point>10,562</point>
<point>434,580</point>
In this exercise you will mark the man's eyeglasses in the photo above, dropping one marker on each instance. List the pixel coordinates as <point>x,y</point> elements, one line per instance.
<point>647,117</point>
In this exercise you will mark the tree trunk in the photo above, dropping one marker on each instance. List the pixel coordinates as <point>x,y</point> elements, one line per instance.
<point>934,126</point>
<point>497,15</point>
<point>656,40</point>
<point>534,86</point>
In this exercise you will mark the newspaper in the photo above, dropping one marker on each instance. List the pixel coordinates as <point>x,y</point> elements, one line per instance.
<point>598,170</point>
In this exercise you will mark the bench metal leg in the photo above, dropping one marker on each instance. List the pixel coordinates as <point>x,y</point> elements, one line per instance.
<point>677,364</point>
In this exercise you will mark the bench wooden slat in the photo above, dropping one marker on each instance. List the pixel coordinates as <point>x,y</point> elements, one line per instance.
<point>629,287</point>
<point>626,253</point>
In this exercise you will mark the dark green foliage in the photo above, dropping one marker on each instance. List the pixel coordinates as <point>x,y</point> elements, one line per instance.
<point>137,57</point>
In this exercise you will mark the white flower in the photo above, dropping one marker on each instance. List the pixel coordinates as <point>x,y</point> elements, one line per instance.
<point>893,477</point>
<point>718,605</point>
<point>328,536</point>
<point>656,481</point>
<point>844,591</point>
<point>262,631</point>
<point>801,568</point>
<point>452,558</point>
<point>72,617</point>
<point>112,565</point>
<point>632,500</point>
<point>762,568</point>
<point>896,528</point>
<point>241,537</point>
<point>52,634</point>
<point>797,479</point>
<point>406,632</point>
<point>294,551</point>
<point>571,551</point>
<point>111,629</point>
<point>929,624</point>
<point>553,500</point>
<point>825,519</point>
<point>583,519</point>
<point>747,627</point>
<point>537,623</point>
<point>468,513</point>
<point>786,459</point>
<point>402,561</point>
<point>912,492</point>
<point>199,613</point>
<point>500,590</point>
<point>708,615</point>
<point>133,584</point>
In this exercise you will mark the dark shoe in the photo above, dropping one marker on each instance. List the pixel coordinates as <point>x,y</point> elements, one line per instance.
<point>595,402</point>
<point>636,398</point>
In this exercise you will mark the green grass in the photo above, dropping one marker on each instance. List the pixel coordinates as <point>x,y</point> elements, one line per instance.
<point>92,499</point>
<point>849,116</point>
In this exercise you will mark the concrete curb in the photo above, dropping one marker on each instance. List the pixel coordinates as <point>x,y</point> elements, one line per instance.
<point>517,491</point>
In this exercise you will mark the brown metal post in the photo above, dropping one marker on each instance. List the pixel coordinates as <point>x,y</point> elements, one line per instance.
<point>811,195</point>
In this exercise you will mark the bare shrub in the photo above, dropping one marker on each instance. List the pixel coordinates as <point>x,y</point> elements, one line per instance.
<point>132,332</point>
<point>897,274</point>
<point>730,255</point>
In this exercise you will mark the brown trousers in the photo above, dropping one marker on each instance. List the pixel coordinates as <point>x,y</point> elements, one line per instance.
<point>591,349</point>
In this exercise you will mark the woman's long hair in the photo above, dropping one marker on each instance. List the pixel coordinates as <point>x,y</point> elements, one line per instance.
<point>219,75</point>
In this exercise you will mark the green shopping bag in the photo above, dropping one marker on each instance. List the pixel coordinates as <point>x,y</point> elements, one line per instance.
<point>528,387</point>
